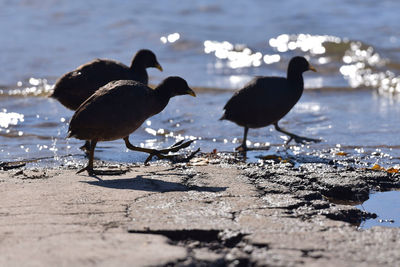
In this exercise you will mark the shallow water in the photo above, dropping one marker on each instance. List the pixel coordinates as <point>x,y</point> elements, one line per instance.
<point>355,109</point>
<point>386,205</point>
<point>352,103</point>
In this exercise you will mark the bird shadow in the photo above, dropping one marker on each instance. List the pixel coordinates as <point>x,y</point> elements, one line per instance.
<point>152,185</point>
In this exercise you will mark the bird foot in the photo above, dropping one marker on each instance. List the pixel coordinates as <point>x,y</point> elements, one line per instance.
<point>242,148</point>
<point>302,140</point>
<point>87,168</point>
<point>85,148</point>
<point>92,172</point>
<point>11,165</point>
<point>163,153</point>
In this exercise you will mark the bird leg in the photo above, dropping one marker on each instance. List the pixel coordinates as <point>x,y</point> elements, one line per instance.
<point>86,147</point>
<point>243,146</point>
<point>89,167</point>
<point>296,138</point>
<point>160,153</point>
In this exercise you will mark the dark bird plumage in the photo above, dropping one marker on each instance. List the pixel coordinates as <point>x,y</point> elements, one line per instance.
<point>119,108</point>
<point>266,100</point>
<point>73,88</point>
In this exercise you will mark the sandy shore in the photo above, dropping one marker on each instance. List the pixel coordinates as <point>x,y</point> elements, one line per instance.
<point>177,215</point>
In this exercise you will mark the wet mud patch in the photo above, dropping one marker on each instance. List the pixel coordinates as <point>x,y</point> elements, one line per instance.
<point>314,189</point>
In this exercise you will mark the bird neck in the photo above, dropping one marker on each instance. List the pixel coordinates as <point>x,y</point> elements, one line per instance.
<point>295,76</point>
<point>163,96</point>
<point>137,65</point>
<point>139,70</point>
<point>296,81</point>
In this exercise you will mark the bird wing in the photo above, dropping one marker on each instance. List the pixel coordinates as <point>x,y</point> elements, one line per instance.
<point>257,92</point>
<point>262,101</point>
<point>114,111</point>
<point>108,67</point>
<point>79,84</point>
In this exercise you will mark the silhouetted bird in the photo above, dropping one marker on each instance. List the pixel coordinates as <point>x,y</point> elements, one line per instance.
<point>73,88</point>
<point>119,108</point>
<point>266,100</point>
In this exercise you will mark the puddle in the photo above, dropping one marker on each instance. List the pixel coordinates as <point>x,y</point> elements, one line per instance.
<point>386,205</point>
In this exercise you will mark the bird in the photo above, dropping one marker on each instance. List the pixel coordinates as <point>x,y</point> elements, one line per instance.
<point>74,87</point>
<point>119,108</point>
<point>265,100</point>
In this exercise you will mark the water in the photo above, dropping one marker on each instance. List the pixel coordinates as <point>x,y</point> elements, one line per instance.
<point>386,205</point>
<point>352,103</point>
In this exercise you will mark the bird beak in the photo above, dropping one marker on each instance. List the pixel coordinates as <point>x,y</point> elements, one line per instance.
<point>191,92</point>
<point>312,68</point>
<point>158,66</point>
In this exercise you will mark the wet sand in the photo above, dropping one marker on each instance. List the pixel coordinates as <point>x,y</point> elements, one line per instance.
<point>219,212</point>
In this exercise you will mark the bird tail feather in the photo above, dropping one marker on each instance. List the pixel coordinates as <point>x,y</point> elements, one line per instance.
<point>70,134</point>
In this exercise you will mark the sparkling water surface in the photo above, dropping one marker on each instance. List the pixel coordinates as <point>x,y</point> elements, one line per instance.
<point>351,103</point>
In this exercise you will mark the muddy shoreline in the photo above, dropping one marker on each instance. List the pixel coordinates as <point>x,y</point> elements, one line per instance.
<point>213,211</point>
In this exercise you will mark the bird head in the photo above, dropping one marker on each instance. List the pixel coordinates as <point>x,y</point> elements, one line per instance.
<point>176,86</point>
<point>300,64</point>
<point>148,59</point>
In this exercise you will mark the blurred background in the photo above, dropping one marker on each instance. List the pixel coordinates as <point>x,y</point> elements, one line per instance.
<point>352,102</point>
